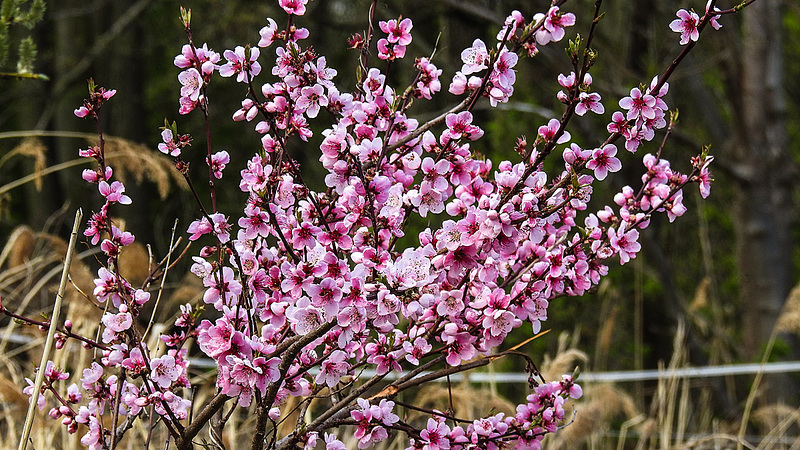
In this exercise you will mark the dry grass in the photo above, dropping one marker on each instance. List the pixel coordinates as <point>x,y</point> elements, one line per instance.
<point>30,147</point>
<point>131,161</point>
<point>789,320</point>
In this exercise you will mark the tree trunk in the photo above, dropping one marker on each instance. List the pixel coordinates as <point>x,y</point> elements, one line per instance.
<point>763,204</point>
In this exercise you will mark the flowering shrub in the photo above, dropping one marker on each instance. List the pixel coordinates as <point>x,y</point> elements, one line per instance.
<point>305,290</point>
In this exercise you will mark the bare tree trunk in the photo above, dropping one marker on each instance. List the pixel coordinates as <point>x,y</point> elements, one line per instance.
<point>763,209</point>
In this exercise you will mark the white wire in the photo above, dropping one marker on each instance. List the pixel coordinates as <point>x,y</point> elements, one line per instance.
<point>596,377</point>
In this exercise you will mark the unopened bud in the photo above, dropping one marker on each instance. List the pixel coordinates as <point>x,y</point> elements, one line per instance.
<point>186,17</point>
<point>275,413</point>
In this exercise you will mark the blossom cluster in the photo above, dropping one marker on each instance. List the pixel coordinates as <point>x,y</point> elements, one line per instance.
<point>307,288</point>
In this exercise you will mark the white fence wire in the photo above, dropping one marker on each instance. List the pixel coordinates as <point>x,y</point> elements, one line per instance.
<point>599,377</point>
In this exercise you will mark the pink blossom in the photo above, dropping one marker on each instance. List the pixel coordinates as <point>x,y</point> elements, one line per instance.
<point>192,83</point>
<point>332,443</point>
<point>459,84</point>
<point>107,285</point>
<point>428,83</point>
<point>95,176</point>
<point>515,20</point>
<point>417,350</point>
<point>91,375</point>
<point>93,439</point>
<point>326,295</point>
<point>554,24</point>
<point>589,102</point>
<point>567,81</point>
<point>451,303</point>
<point>169,146</point>
<point>164,371</point>
<point>311,99</point>
<point>269,33</point>
<point>389,51</point>
<point>427,199</point>
<point>412,269</point>
<point>619,124</point>
<point>205,59</point>
<point>459,345</point>
<point>338,235</point>
<point>241,62</point>
<point>305,235</point>
<point>333,368</point>
<point>116,323</point>
<point>460,125</point>
<point>624,242</point>
<point>340,270</point>
<point>549,131</point>
<point>295,7</point>
<point>114,192</point>
<point>223,288</point>
<point>304,317</point>
<point>198,228</point>
<point>504,74</point>
<point>674,206</point>
<point>399,32</point>
<point>134,362</point>
<point>218,162</point>
<point>82,112</point>
<point>686,24</point>
<point>714,21</point>
<point>435,435</point>
<point>704,178</point>
<point>500,322</point>
<point>639,104</point>
<point>186,105</point>
<point>474,58</point>
<point>603,161</point>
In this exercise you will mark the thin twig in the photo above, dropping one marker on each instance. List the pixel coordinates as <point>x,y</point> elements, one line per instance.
<point>163,279</point>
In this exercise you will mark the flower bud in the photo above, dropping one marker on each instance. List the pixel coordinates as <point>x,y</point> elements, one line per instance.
<point>275,413</point>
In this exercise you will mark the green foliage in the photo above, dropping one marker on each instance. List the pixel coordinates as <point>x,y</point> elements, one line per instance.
<point>3,39</point>
<point>27,55</point>
<point>15,12</point>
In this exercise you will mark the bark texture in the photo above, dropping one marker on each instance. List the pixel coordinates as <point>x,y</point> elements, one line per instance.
<point>763,209</point>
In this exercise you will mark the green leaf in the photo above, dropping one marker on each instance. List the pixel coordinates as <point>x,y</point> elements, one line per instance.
<point>34,14</point>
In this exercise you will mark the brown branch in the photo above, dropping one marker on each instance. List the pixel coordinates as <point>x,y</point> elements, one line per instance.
<point>191,430</point>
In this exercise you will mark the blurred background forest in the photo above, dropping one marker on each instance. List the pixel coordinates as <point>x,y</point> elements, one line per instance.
<point>722,273</point>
